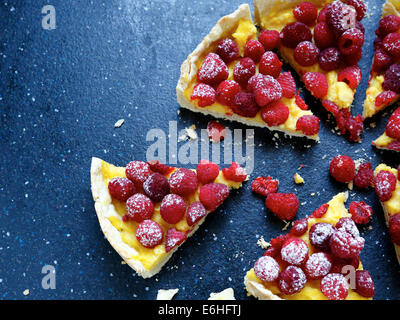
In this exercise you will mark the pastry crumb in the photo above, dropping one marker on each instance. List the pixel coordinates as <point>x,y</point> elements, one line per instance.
<point>287,225</point>
<point>119,123</point>
<point>262,243</point>
<point>191,132</point>
<point>227,294</point>
<point>123,262</point>
<point>167,294</point>
<point>298,179</point>
<point>350,185</point>
<point>26,292</point>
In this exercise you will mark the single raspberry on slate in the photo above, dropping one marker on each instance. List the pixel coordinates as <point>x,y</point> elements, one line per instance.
<point>305,12</point>
<point>388,24</point>
<point>294,251</point>
<point>173,239</point>
<point>291,280</point>
<point>365,176</point>
<point>275,113</point>
<point>216,131</point>
<point>342,168</point>
<point>283,205</point>
<point>268,90</point>
<point>392,78</point>
<point>157,166</point>
<point>321,211</point>
<point>213,70</point>
<point>300,102</point>
<point>204,94</point>
<point>351,41</point>
<point>308,124</point>
<point>323,36</point>
<point>137,172</point>
<point>385,184</point>
<point>149,234</point>
<point>352,59</point>
<point>212,195</point>
<point>361,212</point>
<point>355,127</point>
<point>207,171</point>
<point>270,64</point>
<point>183,182</point>
<point>350,75</point>
<point>254,50</point>
<point>391,43</point>
<point>172,208</point>
<point>393,125</point>
<point>316,83</point>
<point>344,245</point>
<point>320,235</point>
<point>195,213</point>
<point>264,185</point>
<point>228,50</point>
<point>266,269</point>
<point>300,227</point>
<point>329,59</point>
<point>318,265</point>
<point>235,172</point>
<point>288,84</point>
<point>385,98</point>
<point>269,39</point>
<point>306,54</point>
<point>364,284</point>
<point>244,70</point>
<point>156,187</point>
<point>340,17</point>
<point>394,228</point>
<point>226,92</point>
<point>245,105</point>
<point>121,188</point>
<point>334,286</point>
<point>360,7</point>
<point>294,33</point>
<point>139,207</point>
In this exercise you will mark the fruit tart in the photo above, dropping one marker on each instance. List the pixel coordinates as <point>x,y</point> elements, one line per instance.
<point>390,139</point>
<point>322,40</point>
<point>384,84</point>
<point>311,261</point>
<point>146,210</point>
<point>387,188</point>
<point>234,75</point>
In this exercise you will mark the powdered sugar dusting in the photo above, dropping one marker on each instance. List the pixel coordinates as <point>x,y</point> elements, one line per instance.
<point>294,251</point>
<point>266,269</point>
<point>149,233</point>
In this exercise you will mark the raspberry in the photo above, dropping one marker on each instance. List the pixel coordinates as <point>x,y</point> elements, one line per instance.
<point>320,212</point>
<point>245,105</point>
<point>394,228</point>
<point>212,195</point>
<point>268,90</point>
<point>207,171</point>
<point>266,269</point>
<point>300,102</point>
<point>318,265</point>
<point>294,33</point>
<point>157,166</point>
<point>342,168</point>
<point>355,127</point>
<point>270,64</point>
<point>137,172</point>
<point>288,84</point>
<point>204,94</point>
<point>228,50</point>
<point>172,208</point>
<point>342,117</point>
<point>300,227</point>
<point>360,27</point>
<point>121,188</point>
<point>306,54</point>
<point>320,235</point>
<point>331,107</point>
<point>382,61</point>
<point>276,245</point>
<point>291,280</point>
<point>340,265</point>
<point>394,146</point>
<point>275,114</point>
<point>344,245</point>
<point>264,186</point>
<point>360,7</point>
<point>323,36</point>
<point>385,98</point>
<point>216,131</point>
<point>254,50</point>
<point>364,284</point>
<point>322,14</point>
<point>139,207</point>
<point>244,70</point>
<point>361,212</point>
<point>235,172</point>
<point>226,92</point>
<point>213,70</point>
<point>340,17</point>
<point>183,182</point>
<point>385,184</point>
<point>173,239</point>
<point>365,176</point>
<point>269,39</point>
<point>378,43</point>
<point>329,59</point>
<point>257,81</point>
<point>388,24</point>
<point>392,78</point>
<point>334,286</point>
<point>283,205</point>
<point>149,234</point>
<point>352,59</point>
<point>156,187</point>
<point>294,251</point>
<point>308,124</point>
<point>316,83</point>
<point>305,12</point>
<point>393,126</point>
<point>195,213</point>
<point>350,75</point>
<point>391,43</point>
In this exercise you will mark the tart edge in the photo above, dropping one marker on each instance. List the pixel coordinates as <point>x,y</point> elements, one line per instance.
<point>396,247</point>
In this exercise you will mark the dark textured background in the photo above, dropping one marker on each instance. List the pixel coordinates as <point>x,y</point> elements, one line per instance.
<point>61,92</point>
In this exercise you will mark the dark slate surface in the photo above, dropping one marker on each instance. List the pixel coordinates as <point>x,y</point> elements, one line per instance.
<point>62,91</point>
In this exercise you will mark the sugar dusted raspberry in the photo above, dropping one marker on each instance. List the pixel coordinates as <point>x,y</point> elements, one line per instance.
<point>352,59</point>
<point>226,92</point>
<point>385,184</point>
<point>385,98</point>
<point>257,81</point>
<point>137,172</point>
<point>288,84</point>
<point>264,185</point>
<point>318,265</point>
<point>204,94</point>
<point>350,75</point>
<point>360,7</point>
<point>361,212</point>
<point>213,70</point>
<point>300,227</point>
<point>344,245</point>
<point>340,265</point>
<point>392,78</point>
<point>139,207</point>
<point>207,171</point>
<point>244,70</point>
<point>270,64</point>
<point>269,39</point>
<point>294,33</point>
<point>172,208</point>
<point>348,225</point>
<point>149,234</point>
<point>364,284</point>
<point>355,127</point>
<point>351,41</point>
<point>121,188</point>
<point>283,205</point>
<point>306,54</point>
<point>294,251</point>
<point>305,12</point>
<point>394,146</point>
<point>245,105</point>
<point>365,176</point>
<point>316,83</point>
<point>394,228</point>
<point>329,59</point>
<point>300,102</point>
<point>183,182</point>
<point>320,235</point>
<point>267,91</point>
<point>157,166</point>
<point>393,125</point>
<point>340,17</point>
<point>266,269</point>
<point>388,24</point>
<point>391,43</point>
<point>360,27</point>
<point>308,124</point>
<point>291,280</point>
<point>156,187</point>
<point>235,172</point>
<point>212,195</point>
<point>323,36</point>
<point>228,50</point>
<point>322,14</point>
<point>173,239</point>
<point>216,131</point>
<point>320,212</point>
<point>195,213</point>
<point>254,50</point>
<point>334,286</point>
<point>275,114</point>
<point>342,168</point>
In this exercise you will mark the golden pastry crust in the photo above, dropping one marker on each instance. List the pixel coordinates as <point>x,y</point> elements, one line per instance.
<point>397,248</point>
<point>257,290</point>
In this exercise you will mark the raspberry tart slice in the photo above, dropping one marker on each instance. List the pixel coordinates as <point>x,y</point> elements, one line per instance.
<point>146,210</point>
<point>314,260</point>
<point>234,75</point>
<point>390,139</point>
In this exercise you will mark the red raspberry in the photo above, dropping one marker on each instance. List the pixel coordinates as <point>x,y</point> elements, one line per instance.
<point>385,184</point>
<point>385,98</point>
<point>283,205</point>
<point>157,166</point>
<point>360,7</point>
<point>355,127</point>
<point>394,146</point>
<point>271,252</point>
<point>291,280</point>
<point>266,269</point>
<point>364,284</point>
<point>382,61</point>
<point>331,107</point>
<point>320,235</point>
<point>342,118</point>
<point>316,83</point>
<point>149,234</point>
<point>125,218</point>
<point>294,251</point>
<point>245,105</point>
<point>269,39</point>
<point>204,93</point>
<point>322,14</point>
<point>342,168</point>
<point>235,172</point>
<point>228,50</point>
<point>388,24</point>
<point>183,182</point>
<point>345,246</point>
<point>267,91</point>
<point>121,188</point>
<point>216,131</point>
<point>306,54</point>
<point>323,36</point>
<point>137,172</point>
<point>352,59</point>
<point>244,70</point>
<point>264,186</point>
<point>139,207</point>
<point>275,114</point>
<point>300,102</point>
<point>212,195</point>
<point>361,212</point>
<point>300,227</point>
<point>360,27</point>
<point>207,171</point>
<point>195,213</point>
<point>334,286</point>
<point>348,225</point>
<point>391,43</point>
<point>308,124</point>
<point>213,70</point>
<point>350,75</point>
<point>365,176</point>
<point>393,125</point>
<point>394,228</point>
<point>294,33</point>
<point>173,239</point>
<point>392,78</point>
<point>288,84</point>
<point>257,81</point>
<point>329,59</point>
<point>270,64</point>
<point>318,265</point>
<point>226,92</point>
<point>172,208</point>
<point>320,212</point>
<point>305,12</point>
<point>254,50</point>
<point>340,265</point>
<point>340,17</point>
<point>156,187</point>
<point>276,245</point>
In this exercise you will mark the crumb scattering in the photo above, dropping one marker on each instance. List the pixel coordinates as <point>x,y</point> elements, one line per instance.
<point>298,179</point>
<point>119,123</point>
<point>262,243</point>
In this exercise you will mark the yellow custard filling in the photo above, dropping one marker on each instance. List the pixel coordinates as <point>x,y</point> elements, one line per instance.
<point>383,141</point>
<point>374,89</point>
